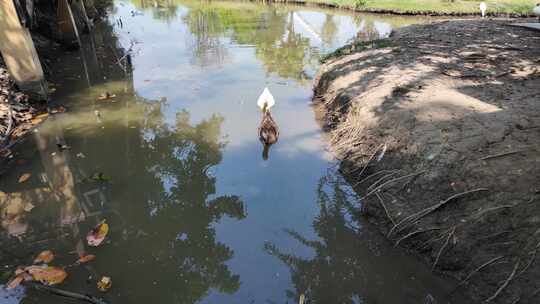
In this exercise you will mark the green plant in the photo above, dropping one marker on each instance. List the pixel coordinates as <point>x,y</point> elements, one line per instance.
<point>360,3</point>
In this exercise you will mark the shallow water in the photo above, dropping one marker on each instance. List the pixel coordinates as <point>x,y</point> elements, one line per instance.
<point>196,214</point>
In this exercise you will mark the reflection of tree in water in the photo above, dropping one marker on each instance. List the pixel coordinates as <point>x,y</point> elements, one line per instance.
<point>287,53</point>
<point>164,246</point>
<point>171,240</point>
<point>207,29</point>
<point>282,50</point>
<point>333,274</point>
<point>351,264</point>
<point>165,10</point>
<point>329,30</point>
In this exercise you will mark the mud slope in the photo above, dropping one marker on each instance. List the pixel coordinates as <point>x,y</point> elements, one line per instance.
<point>438,128</point>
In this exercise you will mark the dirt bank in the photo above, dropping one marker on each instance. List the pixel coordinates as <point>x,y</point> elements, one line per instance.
<point>438,128</point>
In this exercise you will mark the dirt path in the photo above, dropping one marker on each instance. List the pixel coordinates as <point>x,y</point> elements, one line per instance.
<point>438,128</point>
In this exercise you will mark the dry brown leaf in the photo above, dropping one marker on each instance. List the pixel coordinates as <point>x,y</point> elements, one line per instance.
<point>96,236</point>
<point>44,257</point>
<point>104,284</point>
<point>86,258</point>
<point>47,275</point>
<point>23,178</point>
<point>16,281</point>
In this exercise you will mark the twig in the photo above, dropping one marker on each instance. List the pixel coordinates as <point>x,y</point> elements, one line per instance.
<point>9,127</point>
<point>480,268</point>
<point>501,154</point>
<point>372,175</point>
<point>369,160</point>
<point>380,180</point>
<point>531,260</point>
<point>442,248</point>
<point>414,233</point>
<point>391,181</point>
<point>506,282</point>
<point>420,214</point>
<point>68,294</point>
<point>480,213</point>
<point>385,210</point>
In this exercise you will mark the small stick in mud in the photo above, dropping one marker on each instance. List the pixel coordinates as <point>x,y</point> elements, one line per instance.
<point>506,282</point>
<point>414,233</point>
<point>380,180</point>
<point>392,181</point>
<point>373,175</point>
<point>68,294</point>
<point>501,154</point>
<point>442,248</point>
<point>385,210</point>
<point>369,160</point>
<point>495,259</point>
<point>420,214</point>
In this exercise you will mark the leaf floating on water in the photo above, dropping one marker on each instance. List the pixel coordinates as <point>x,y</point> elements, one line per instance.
<point>104,284</point>
<point>59,109</point>
<point>86,258</point>
<point>16,281</point>
<point>106,96</point>
<point>44,257</point>
<point>96,236</point>
<point>100,177</point>
<point>47,275</point>
<point>23,178</point>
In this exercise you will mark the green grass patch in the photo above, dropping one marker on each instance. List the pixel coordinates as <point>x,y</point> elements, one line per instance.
<point>439,6</point>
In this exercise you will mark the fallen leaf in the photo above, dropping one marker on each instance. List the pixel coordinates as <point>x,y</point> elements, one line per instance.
<point>96,236</point>
<point>104,284</point>
<point>106,96</point>
<point>24,177</point>
<point>48,275</point>
<point>86,258</point>
<point>59,109</point>
<point>44,257</point>
<point>16,281</point>
<point>19,270</point>
<point>100,177</point>
<point>80,155</point>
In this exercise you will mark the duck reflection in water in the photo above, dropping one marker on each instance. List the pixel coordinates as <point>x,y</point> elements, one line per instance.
<point>268,129</point>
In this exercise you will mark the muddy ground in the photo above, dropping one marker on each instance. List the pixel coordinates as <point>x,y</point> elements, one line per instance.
<point>438,128</point>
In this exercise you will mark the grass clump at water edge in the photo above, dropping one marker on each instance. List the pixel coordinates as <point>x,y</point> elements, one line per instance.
<point>357,46</point>
<point>435,6</point>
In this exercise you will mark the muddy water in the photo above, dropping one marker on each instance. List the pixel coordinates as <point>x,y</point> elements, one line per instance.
<point>196,214</point>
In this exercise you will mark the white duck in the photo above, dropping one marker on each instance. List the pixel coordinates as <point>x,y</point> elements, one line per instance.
<point>483,9</point>
<point>536,10</point>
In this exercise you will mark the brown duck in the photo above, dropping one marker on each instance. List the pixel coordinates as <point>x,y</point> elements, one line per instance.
<point>268,129</point>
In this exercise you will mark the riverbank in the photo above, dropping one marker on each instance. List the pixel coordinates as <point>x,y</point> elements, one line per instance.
<point>439,134</point>
<point>496,8</point>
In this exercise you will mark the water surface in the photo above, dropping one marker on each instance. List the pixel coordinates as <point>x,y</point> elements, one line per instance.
<point>196,214</point>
